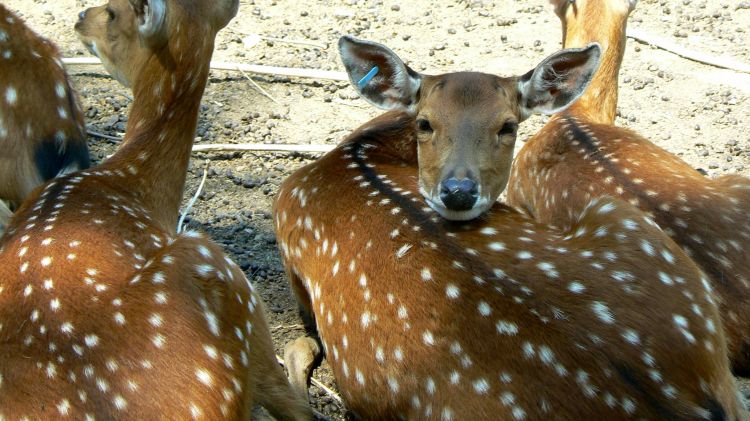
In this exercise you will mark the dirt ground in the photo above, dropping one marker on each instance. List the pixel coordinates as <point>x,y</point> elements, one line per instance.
<point>696,111</point>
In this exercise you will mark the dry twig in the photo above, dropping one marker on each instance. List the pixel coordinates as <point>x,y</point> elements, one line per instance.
<point>261,90</point>
<point>320,385</point>
<point>180,224</point>
<point>255,147</point>
<point>240,147</point>
<point>250,68</point>
<point>103,136</point>
<point>672,47</point>
<point>295,326</point>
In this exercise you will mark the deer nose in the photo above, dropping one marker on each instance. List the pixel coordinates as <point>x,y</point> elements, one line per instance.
<point>82,15</point>
<point>459,195</point>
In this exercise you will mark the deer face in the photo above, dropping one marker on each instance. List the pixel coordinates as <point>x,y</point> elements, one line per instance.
<point>110,32</point>
<point>126,33</point>
<point>466,122</point>
<point>466,129</point>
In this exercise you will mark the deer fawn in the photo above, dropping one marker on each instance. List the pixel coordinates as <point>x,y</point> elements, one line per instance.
<point>106,313</point>
<point>41,125</point>
<point>580,154</point>
<point>501,317</point>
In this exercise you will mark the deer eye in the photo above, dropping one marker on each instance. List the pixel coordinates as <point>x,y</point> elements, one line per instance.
<point>424,125</point>
<point>508,128</point>
<point>110,14</point>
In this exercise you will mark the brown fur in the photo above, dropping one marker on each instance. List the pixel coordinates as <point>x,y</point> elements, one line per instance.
<point>578,156</point>
<point>423,318</point>
<point>104,310</point>
<point>41,124</point>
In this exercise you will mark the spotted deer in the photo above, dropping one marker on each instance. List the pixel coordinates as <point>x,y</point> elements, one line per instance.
<point>105,312</point>
<point>579,154</point>
<point>499,317</point>
<point>42,133</point>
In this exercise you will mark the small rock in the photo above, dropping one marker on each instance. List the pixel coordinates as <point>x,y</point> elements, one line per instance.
<point>342,14</point>
<point>110,122</point>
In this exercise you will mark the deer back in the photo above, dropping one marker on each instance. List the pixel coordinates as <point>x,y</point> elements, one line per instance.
<point>570,161</point>
<point>502,317</point>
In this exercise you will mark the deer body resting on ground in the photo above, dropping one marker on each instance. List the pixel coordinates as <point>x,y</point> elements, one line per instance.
<point>42,134</point>
<point>105,312</point>
<point>579,154</point>
<point>497,318</point>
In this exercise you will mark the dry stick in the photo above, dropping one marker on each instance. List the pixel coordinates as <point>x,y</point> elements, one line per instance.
<point>297,326</point>
<point>262,147</point>
<point>251,68</point>
<point>320,385</point>
<point>262,91</point>
<point>249,147</point>
<point>103,136</point>
<point>667,45</point>
<point>180,227</point>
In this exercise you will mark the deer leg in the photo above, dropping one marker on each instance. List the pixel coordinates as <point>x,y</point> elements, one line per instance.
<point>273,390</point>
<point>301,356</point>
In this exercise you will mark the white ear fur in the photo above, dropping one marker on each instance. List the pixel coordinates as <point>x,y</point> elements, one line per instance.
<point>559,80</point>
<point>392,85</point>
<point>153,20</point>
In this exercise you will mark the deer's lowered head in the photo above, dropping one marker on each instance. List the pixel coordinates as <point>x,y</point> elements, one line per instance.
<point>466,122</point>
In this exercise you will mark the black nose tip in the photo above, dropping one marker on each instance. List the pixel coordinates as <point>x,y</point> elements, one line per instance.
<point>82,15</point>
<point>459,195</point>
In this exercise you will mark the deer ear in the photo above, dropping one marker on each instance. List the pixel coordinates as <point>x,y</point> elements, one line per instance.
<point>559,80</point>
<point>379,75</point>
<point>225,10</point>
<point>151,19</point>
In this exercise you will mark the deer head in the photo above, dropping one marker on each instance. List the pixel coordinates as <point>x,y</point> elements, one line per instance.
<point>125,33</point>
<point>466,122</point>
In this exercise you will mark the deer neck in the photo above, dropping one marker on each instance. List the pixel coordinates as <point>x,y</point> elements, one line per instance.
<point>161,128</point>
<point>583,26</point>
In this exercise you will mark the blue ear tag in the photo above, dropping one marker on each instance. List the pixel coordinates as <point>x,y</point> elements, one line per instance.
<point>368,77</point>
